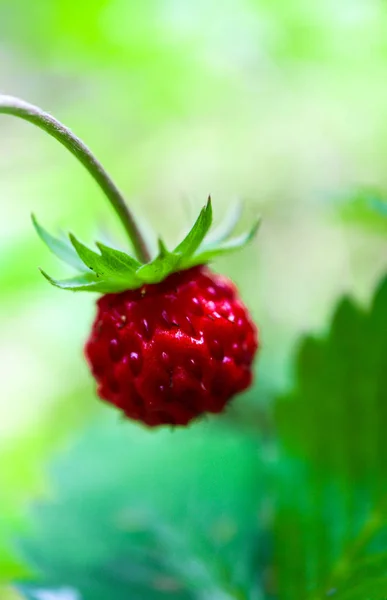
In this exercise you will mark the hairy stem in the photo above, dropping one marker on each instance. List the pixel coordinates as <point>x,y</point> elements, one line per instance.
<point>28,112</point>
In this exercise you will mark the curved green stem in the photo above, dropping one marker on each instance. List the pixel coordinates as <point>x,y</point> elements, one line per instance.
<point>33,114</point>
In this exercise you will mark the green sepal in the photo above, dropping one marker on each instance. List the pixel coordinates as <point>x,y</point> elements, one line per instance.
<point>159,268</point>
<point>106,265</point>
<point>87,282</point>
<point>198,232</point>
<point>210,251</point>
<point>117,258</point>
<point>112,271</point>
<point>61,248</point>
<point>227,225</point>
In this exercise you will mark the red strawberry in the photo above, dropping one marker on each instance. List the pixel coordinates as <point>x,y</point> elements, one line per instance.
<point>171,340</point>
<point>169,352</point>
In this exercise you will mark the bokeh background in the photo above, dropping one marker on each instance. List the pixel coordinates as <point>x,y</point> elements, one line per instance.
<point>280,103</point>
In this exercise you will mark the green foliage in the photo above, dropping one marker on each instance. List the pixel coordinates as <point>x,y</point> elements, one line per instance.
<point>330,536</point>
<point>164,64</point>
<point>107,533</point>
<point>337,411</point>
<point>218,512</point>
<point>331,514</point>
<point>116,271</point>
<point>21,476</point>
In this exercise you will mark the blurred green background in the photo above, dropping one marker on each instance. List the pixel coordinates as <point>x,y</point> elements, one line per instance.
<point>281,103</point>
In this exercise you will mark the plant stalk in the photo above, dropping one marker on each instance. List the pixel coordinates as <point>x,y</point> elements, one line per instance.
<point>33,114</point>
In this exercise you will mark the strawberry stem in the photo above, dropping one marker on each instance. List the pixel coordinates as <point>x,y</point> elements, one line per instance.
<point>33,114</point>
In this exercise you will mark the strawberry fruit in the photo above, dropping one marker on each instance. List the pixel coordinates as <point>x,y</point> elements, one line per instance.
<point>171,340</point>
<point>169,352</point>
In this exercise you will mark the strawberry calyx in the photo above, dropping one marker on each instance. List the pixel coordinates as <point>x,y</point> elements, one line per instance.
<point>110,270</point>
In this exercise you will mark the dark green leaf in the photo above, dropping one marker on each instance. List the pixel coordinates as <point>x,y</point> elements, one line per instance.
<point>331,515</point>
<point>340,381</point>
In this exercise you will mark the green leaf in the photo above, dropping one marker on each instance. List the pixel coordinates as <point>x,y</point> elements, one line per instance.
<point>61,248</point>
<point>337,379</point>
<point>196,235</point>
<point>331,514</point>
<point>117,259</point>
<point>366,578</point>
<point>179,521</point>
<point>91,259</point>
<point>88,282</point>
<point>109,265</point>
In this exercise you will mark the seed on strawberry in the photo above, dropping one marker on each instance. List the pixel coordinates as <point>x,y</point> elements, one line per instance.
<point>170,374</point>
<point>171,340</point>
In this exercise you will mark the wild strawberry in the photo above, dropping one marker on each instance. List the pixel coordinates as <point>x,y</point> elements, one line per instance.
<point>169,352</point>
<point>171,339</point>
